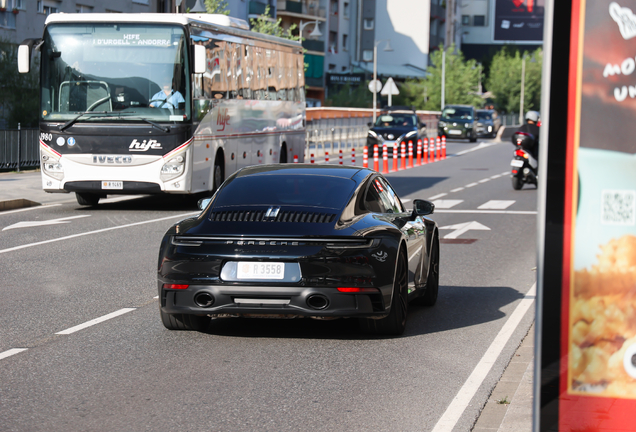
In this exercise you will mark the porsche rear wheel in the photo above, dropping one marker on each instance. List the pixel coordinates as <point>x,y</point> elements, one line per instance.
<point>184,321</point>
<point>395,323</point>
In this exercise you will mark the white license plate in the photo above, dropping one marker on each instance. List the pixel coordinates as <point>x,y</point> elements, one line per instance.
<point>260,270</point>
<point>516,163</point>
<point>119,185</point>
<point>454,132</point>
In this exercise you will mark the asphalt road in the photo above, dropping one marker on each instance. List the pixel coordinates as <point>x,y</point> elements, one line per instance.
<point>129,373</point>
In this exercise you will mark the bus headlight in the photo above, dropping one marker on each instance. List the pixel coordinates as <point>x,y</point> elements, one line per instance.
<point>173,168</point>
<point>53,168</point>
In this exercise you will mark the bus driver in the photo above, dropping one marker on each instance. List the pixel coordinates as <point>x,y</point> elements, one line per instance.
<point>167,97</point>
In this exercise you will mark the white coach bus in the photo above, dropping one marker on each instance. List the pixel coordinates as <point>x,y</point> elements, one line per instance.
<point>162,103</point>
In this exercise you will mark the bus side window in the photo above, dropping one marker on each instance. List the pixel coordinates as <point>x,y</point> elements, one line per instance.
<point>248,72</point>
<point>215,79</point>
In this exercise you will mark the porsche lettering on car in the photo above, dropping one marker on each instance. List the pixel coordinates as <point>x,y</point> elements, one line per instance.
<point>293,241</point>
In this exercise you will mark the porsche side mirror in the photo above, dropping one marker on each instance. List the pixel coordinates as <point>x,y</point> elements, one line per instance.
<point>422,207</point>
<point>203,203</point>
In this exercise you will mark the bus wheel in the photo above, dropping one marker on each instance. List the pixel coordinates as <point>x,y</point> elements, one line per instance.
<point>283,153</point>
<point>218,173</point>
<point>87,199</point>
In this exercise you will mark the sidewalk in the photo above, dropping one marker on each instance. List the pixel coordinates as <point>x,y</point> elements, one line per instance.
<point>509,408</point>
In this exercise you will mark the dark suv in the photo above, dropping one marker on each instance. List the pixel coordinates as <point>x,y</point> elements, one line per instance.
<point>395,125</point>
<point>458,121</point>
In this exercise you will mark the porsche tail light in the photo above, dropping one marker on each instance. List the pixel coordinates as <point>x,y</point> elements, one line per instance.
<point>357,290</point>
<point>175,286</point>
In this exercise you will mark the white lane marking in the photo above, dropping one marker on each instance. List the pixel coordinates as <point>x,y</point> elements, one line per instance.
<point>469,185</point>
<point>155,297</point>
<point>496,176</point>
<point>29,209</point>
<point>457,189</point>
<point>95,321</point>
<point>461,228</point>
<point>496,205</point>
<point>504,173</point>
<point>11,352</point>
<point>512,212</point>
<point>415,253</point>
<point>446,204</point>
<point>434,197</point>
<point>95,232</point>
<point>30,224</point>
<point>457,407</point>
<point>484,180</point>
<point>481,145</point>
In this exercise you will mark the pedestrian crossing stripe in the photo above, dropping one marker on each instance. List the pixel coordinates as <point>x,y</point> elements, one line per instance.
<point>446,204</point>
<point>496,205</point>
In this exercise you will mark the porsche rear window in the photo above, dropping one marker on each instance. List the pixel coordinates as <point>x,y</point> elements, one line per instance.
<point>293,190</point>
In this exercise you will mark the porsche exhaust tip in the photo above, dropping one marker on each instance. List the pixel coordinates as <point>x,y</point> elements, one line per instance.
<point>317,301</point>
<point>204,299</point>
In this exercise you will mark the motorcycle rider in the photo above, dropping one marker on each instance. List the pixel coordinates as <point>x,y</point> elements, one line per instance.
<point>531,126</point>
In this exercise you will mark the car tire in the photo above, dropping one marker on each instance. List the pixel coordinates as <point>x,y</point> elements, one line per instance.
<point>184,321</point>
<point>517,184</point>
<point>432,281</point>
<point>394,323</point>
<point>473,138</point>
<point>87,199</point>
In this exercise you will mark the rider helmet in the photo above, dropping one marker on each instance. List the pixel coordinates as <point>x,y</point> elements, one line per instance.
<point>533,116</point>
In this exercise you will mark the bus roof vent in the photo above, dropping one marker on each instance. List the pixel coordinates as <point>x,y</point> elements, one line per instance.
<point>218,19</point>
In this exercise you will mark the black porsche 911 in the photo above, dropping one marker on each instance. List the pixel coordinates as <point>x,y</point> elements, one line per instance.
<point>290,240</point>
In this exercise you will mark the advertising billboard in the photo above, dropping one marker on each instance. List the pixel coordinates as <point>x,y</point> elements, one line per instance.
<point>594,295</point>
<point>519,20</point>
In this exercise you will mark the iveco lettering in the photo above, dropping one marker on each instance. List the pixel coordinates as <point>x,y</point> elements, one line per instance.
<point>294,241</point>
<point>162,87</point>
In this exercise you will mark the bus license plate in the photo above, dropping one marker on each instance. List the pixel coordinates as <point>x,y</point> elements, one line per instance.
<point>117,185</point>
<point>260,270</point>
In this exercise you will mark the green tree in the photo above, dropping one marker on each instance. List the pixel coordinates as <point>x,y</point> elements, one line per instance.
<point>461,83</point>
<point>217,7</point>
<point>351,97</point>
<point>19,101</point>
<point>266,25</point>
<point>504,80</point>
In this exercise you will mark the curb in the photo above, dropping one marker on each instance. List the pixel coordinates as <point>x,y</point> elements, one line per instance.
<point>17,204</point>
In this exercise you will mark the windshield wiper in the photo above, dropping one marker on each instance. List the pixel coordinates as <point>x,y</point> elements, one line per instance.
<point>73,120</point>
<point>165,129</point>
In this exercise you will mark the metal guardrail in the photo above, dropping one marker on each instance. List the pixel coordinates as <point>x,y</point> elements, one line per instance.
<point>19,149</point>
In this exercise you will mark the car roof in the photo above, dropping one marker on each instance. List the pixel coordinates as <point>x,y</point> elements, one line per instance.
<point>305,169</point>
<point>462,106</point>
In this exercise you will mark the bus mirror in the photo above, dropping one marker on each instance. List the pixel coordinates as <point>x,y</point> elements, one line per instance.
<point>24,58</point>
<point>200,62</point>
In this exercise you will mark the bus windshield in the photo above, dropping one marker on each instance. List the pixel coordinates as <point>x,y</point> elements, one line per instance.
<point>123,71</point>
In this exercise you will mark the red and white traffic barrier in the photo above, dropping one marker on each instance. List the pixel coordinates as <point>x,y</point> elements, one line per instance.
<point>438,147</point>
<point>376,161</point>
<point>295,159</point>
<point>395,157</point>
<point>385,159</point>
<point>365,157</point>
<point>410,154</point>
<point>425,151</point>
<point>353,156</point>
<point>418,162</point>
<point>403,156</point>
<point>326,157</point>
<point>443,146</point>
<point>311,158</point>
<point>340,160</point>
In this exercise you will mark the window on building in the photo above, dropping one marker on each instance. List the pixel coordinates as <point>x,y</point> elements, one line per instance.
<point>334,7</point>
<point>345,9</point>
<point>332,67</point>
<point>344,68</point>
<point>465,20</point>
<point>49,8</point>
<point>345,42</point>
<point>19,4</point>
<point>367,55</point>
<point>40,6</point>
<point>333,42</point>
<point>83,9</point>
<point>479,20</point>
<point>368,23</point>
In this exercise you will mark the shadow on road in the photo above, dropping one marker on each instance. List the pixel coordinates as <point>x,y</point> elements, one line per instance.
<point>149,203</point>
<point>457,307</point>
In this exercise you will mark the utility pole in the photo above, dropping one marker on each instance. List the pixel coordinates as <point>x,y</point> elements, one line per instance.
<point>450,23</point>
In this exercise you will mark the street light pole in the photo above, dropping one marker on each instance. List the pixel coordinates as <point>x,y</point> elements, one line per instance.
<point>443,76</point>
<point>523,78</point>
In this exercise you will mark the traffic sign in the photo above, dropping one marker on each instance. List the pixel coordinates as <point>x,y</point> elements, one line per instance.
<point>390,88</point>
<point>375,86</point>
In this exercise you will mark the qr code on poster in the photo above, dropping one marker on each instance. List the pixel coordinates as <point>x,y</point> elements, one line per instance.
<point>618,207</point>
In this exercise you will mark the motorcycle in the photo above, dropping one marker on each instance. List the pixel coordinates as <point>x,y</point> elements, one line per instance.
<point>524,165</point>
